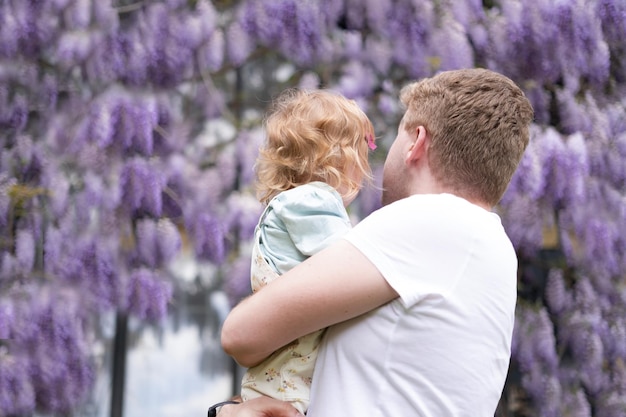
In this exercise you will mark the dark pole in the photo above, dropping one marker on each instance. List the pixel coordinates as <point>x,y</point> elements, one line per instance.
<point>236,383</point>
<point>118,373</point>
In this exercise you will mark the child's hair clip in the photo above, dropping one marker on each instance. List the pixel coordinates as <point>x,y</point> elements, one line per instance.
<point>370,141</point>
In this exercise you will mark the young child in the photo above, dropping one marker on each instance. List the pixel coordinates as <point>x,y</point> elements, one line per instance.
<point>311,167</point>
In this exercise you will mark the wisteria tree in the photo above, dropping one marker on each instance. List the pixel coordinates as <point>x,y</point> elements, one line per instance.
<point>105,169</point>
<point>128,132</point>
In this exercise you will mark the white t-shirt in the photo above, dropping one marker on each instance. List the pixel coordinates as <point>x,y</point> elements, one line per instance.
<point>442,349</point>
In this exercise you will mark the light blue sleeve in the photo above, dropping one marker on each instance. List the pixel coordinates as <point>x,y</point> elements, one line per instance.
<point>301,222</point>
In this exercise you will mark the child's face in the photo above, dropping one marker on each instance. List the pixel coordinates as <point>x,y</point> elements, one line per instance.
<point>348,197</point>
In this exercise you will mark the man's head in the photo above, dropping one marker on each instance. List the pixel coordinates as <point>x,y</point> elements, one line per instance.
<point>477,122</point>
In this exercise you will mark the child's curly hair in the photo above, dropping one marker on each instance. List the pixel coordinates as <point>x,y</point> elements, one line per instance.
<point>313,135</point>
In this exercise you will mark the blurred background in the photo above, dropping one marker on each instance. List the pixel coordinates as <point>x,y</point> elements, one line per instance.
<point>128,135</point>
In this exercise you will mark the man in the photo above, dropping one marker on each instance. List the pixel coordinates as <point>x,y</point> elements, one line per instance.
<point>421,294</point>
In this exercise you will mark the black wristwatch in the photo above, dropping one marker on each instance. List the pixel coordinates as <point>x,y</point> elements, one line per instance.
<point>213,409</point>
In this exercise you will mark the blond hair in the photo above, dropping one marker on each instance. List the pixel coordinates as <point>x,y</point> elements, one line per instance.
<point>479,124</point>
<point>313,135</point>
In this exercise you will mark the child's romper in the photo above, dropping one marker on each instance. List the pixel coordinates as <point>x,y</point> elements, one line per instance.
<point>286,374</point>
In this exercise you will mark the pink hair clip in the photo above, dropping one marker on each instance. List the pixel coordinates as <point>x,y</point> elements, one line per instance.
<point>370,141</point>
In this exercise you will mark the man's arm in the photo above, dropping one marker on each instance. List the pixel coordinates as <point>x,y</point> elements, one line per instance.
<point>332,286</point>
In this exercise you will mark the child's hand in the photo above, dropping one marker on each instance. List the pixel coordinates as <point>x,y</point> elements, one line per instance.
<point>259,407</point>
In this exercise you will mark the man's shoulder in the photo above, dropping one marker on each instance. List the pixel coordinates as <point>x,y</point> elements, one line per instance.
<point>444,204</point>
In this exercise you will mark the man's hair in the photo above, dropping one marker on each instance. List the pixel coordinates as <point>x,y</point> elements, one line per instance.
<point>313,135</point>
<point>479,124</point>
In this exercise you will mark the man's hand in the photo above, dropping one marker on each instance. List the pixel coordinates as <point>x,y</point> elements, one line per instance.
<point>259,407</point>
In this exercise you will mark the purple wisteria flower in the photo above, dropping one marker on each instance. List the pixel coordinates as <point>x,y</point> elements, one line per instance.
<point>169,240</point>
<point>558,297</point>
<point>46,348</point>
<point>376,13</point>
<point>210,54</point>
<point>239,44</point>
<point>379,53</point>
<point>356,81</point>
<point>142,186</point>
<point>247,150</point>
<point>523,218</point>
<point>449,46</point>
<point>208,234</point>
<point>294,28</point>
<point>237,273</point>
<point>410,36</point>
<point>538,363</point>
<point>529,179</point>
<point>18,394</point>
<point>25,250</point>
<point>6,319</point>
<point>575,403</point>
<point>148,294</point>
<point>243,211</point>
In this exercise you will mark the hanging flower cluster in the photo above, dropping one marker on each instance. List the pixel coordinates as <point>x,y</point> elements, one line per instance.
<point>101,180</point>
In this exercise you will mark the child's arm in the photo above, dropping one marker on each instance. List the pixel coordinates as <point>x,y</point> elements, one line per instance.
<point>332,286</point>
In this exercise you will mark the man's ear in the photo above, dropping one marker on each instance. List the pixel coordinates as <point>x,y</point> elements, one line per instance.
<point>419,146</point>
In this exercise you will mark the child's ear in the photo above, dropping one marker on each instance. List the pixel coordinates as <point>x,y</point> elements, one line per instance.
<point>419,145</point>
